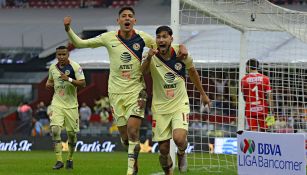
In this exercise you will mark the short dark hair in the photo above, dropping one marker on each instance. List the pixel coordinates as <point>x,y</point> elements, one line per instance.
<point>126,8</point>
<point>252,64</point>
<point>164,29</point>
<point>61,47</point>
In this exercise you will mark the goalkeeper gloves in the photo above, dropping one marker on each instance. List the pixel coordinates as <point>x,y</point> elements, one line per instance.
<point>270,120</point>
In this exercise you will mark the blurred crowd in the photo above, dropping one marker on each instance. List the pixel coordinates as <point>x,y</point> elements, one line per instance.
<point>66,3</point>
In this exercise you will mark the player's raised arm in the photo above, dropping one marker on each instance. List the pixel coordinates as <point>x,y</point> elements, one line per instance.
<point>183,52</point>
<point>196,81</point>
<point>145,68</point>
<point>77,41</point>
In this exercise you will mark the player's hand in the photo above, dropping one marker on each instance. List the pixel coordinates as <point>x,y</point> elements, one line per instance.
<point>142,100</point>
<point>270,120</point>
<point>49,85</point>
<point>64,77</point>
<point>206,101</point>
<point>152,52</point>
<point>182,53</point>
<point>67,22</point>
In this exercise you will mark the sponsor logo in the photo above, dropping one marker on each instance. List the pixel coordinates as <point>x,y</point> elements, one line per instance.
<point>125,57</point>
<point>23,145</point>
<point>247,145</point>
<point>265,155</point>
<point>169,77</point>
<point>96,146</point>
<point>125,67</point>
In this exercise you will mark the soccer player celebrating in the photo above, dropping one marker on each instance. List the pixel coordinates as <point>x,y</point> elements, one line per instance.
<point>64,77</point>
<point>126,84</point>
<point>170,103</point>
<point>256,91</point>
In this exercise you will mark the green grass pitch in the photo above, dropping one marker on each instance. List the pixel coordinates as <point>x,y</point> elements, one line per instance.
<point>41,162</point>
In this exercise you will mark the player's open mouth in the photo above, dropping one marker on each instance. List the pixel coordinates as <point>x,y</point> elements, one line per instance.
<point>162,46</point>
<point>127,24</point>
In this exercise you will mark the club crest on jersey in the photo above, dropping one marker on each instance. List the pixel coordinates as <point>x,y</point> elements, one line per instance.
<point>67,72</point>
<point>136,46</point>
<point>178,66</point>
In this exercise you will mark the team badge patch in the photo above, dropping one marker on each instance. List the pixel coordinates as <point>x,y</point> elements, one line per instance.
<point>178,66</point>
<point>67,72</point>
<point>136,46</point>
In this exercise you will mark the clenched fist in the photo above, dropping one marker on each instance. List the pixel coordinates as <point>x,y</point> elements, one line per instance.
<point>67,21</point>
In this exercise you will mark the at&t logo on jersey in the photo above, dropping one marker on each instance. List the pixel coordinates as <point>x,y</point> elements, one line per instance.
<point>125,57</point>
<point>169,78</point>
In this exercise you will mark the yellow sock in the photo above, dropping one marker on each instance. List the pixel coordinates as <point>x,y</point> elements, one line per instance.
<point>133,149</point>
<point>58,150</point>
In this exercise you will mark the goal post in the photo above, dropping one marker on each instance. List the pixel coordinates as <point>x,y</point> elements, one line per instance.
<point>221,35</point>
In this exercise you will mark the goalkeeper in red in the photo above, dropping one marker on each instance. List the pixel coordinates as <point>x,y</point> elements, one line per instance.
<point>64,77</point>
<point>256,92</point>
<point>126,85</point>
<point>170,103</point>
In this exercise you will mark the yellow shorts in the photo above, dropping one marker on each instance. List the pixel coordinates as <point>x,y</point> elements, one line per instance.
<point>164,124</point>
<point>125,105</point>
<point>68,118</point>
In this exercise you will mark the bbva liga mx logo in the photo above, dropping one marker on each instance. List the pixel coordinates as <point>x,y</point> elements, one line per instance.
<point>247,145</point>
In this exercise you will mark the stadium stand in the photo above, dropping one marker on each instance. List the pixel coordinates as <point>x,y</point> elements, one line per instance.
<point>67,3</point>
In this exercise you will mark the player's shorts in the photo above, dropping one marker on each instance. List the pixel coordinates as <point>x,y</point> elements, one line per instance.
<point>68,118</point>
<point>125,105</point>
<point>164,124</point>
<point>255,122</point>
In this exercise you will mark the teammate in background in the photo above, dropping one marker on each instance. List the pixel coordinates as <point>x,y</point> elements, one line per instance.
<point>126,85</point>
<point>170,103</point>
<point>64,77</point>
<point>256,91</point>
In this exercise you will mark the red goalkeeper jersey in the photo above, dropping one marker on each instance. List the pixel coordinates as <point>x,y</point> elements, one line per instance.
<point>254,87</point>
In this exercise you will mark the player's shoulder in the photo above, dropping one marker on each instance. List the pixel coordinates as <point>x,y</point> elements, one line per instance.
<point>74,63</point>
<point>264,76</point>
<point>245,77</point>
<point>52,66</point>
<point>175,47</point>
<point>107,34</point>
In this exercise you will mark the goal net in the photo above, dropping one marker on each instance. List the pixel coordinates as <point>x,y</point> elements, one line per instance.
<point>221,36</point>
